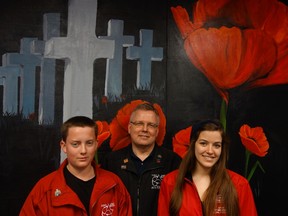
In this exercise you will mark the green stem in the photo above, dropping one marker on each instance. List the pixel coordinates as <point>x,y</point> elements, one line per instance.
<point>223,113</point>
<point>256,164</point>
<point>247,156</point>
<point>96,157</point>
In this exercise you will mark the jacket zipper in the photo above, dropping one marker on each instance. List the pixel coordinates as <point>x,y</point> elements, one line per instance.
<point>104,191</point>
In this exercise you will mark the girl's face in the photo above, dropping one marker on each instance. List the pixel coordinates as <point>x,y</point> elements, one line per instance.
<point>208,149</point>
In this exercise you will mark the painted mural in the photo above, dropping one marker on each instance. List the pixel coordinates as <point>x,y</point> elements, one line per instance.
<point>193,59</point>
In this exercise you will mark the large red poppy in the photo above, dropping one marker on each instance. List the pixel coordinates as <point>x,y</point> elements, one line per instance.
<point>254,140</point>
<point>103,132</point>
<point>181,141</point>
<point>119,125</point>
<point>229,57</point>
<point>252,51</point>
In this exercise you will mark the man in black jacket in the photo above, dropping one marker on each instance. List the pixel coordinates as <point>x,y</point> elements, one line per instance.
<point>143,164</point>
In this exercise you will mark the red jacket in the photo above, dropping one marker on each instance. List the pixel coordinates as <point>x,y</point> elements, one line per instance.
<point>51,196</point>
<point>191,203</point>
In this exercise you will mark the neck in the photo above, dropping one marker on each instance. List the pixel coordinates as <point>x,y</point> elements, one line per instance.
<point>84,174</point>
<point>142,152</point>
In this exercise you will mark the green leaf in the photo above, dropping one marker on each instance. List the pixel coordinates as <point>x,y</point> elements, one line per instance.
<point>256,164</point>
<point>96,157</point>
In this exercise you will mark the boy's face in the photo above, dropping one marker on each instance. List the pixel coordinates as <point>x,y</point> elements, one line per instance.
<point>80,147</point>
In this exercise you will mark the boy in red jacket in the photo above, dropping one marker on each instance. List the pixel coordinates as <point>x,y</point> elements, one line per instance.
<point>79,186</point>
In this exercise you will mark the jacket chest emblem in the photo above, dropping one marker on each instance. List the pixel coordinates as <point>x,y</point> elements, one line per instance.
<point>57,192</point>
<point>156,181</point>
<point>107,209</point>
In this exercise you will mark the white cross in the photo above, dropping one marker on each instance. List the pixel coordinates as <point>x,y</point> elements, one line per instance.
<point>80,49</point>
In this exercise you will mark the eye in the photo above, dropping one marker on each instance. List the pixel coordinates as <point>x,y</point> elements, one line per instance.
<point>152,125</point>
<point>217,145</point>
<point>90,143</point>
<point>139,124</point>
<point>74,144</point>
<point>202,143</point>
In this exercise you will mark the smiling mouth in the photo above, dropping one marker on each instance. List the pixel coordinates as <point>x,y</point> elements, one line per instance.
<point>144,136</point>
<point>208,158</point>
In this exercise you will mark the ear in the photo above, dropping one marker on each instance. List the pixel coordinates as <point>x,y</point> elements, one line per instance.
<point>129,128</point>
<point>63,146</point>
<point>97,142</point>
<point>157,131</point>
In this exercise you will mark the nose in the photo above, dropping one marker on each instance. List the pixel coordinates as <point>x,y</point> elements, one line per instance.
<point>83,148</point>
<point>209,149</point>
<point>145,127</point>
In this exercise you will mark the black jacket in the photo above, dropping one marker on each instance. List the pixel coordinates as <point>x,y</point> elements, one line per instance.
<point>143,188</point>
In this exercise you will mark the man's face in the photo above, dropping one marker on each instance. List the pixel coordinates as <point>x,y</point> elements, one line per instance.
<point>80,147</point>
<point>143,128</point>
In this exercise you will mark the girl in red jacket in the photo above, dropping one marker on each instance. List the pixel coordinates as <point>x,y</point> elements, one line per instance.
<point>202,185</point>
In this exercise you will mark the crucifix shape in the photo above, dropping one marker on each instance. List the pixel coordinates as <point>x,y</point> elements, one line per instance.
<point>51,28</point>
<point>80,49</point>
<point>9,77</point>
<point>28,63</point>
<point>145,54</point>
<point>113,80</point>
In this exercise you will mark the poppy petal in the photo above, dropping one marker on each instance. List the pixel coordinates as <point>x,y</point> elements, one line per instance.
<point>254,140</point>
<point>181,141</point>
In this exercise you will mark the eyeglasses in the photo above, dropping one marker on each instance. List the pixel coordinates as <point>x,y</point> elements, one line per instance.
<point>149,125</point>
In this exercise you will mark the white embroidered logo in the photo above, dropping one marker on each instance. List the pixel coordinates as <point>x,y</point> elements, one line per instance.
<point>219,208</point>
<point>156,181</point>
<point>107,209</point>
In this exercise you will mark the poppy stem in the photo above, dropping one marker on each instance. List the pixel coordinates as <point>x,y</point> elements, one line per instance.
<point>247,156</point>
<point>256,164</point>
<point>223,113</point>
<point>96,157</point>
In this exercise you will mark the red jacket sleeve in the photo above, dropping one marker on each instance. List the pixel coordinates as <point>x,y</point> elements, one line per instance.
<point>165,192</point>
<point>125,205</point>
<point>246,200</point>
<point>29,207</point>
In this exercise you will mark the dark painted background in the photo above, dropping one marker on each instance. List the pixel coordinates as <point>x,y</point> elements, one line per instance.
<point>29,151</point>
